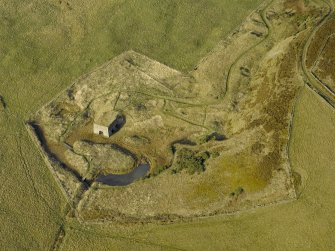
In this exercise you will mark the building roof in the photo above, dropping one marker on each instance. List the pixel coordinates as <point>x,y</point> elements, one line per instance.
<point>105,118</point>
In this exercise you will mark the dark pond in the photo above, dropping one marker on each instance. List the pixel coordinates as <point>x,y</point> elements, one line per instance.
<point>182,142</point>
<point>124,179</point>
<point>216,136</point>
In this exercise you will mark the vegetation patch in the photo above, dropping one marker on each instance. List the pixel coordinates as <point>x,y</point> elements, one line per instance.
<point>324,67</point>
<point>104,158</point>
<point>190,161</point>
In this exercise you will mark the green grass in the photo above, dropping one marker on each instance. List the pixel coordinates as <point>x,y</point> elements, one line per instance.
<point>31,205</point>
<point>46,45</point>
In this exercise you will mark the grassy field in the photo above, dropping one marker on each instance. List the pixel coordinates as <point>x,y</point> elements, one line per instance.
<point>31,204</point>
<point>46,45</point>
<point>305,224</point>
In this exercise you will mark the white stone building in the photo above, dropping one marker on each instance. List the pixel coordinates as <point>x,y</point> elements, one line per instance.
<point>108,123</point>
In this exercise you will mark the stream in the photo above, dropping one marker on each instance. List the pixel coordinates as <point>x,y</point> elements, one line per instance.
<point>124,179</point>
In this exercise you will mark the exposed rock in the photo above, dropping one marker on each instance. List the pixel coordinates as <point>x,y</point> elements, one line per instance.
<point>245,71</point>
<point>257,33</point>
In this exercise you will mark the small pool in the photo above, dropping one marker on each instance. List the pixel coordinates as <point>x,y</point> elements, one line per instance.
<point>124,179</point>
